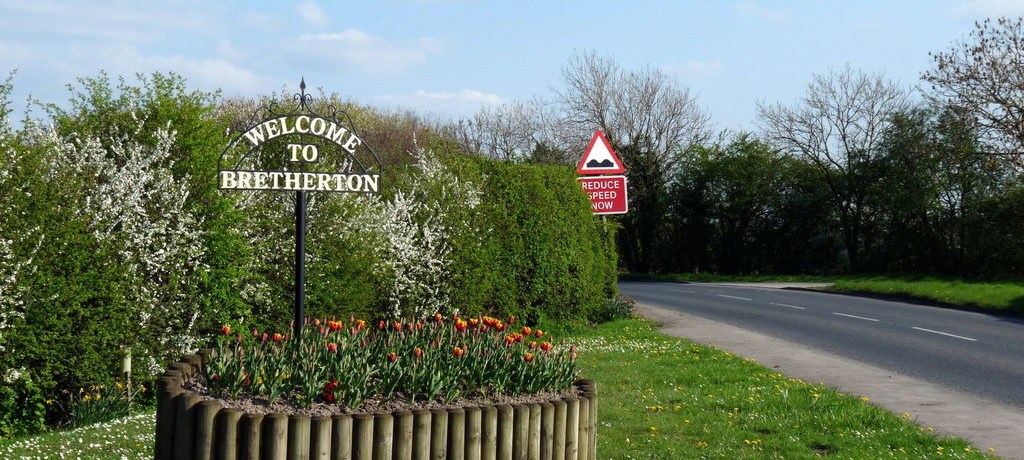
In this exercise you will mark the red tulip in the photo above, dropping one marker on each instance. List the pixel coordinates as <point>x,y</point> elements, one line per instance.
<point>458,351</point>
<point>460,325</point>
<point>533,345</point>
<point>277,337</point>
<point>526,331</point>
<point>332,346</point>
<point>538,333</point>
<point>512,319</point>
<point>417,352</point>
<point>528,357</point>
<point>226,330</point>
<point>392,356</point>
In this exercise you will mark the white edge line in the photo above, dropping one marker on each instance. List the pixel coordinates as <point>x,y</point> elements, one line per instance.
<point>855,316</point>
<point>732,297</point>
<point>944,333</point>
<point>787,305</point>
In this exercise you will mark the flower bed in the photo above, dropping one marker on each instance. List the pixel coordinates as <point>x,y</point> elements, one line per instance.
<point>343,367</point>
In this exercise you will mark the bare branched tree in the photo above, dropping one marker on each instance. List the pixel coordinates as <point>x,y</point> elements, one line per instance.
<point>506,132</point>
<point>838,126</point>
<point>632,108</point>
<point>984,76</point>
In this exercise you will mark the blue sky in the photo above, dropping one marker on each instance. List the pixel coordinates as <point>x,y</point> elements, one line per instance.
<point>448,57</point>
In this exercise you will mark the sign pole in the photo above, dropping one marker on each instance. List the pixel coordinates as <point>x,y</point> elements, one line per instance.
<point>351,172</point>
<point>300,262</point>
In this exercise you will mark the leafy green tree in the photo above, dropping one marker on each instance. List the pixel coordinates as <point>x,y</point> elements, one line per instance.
<point>742,207</point>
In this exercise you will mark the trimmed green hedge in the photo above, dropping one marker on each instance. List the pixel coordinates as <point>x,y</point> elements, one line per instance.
<point>545,249</point>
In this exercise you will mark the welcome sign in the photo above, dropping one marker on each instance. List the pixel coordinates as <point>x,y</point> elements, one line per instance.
<point>299,156</point>
<point>303,152</point>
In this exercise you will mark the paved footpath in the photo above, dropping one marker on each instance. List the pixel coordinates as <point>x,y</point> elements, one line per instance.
<point>985,423</point>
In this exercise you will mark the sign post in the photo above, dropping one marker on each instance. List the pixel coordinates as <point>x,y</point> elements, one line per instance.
<point>300,261</point>
<point>302,151</point>
<point>608,194</point>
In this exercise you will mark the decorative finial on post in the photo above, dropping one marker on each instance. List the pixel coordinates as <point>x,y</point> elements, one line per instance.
<point>302,84</point>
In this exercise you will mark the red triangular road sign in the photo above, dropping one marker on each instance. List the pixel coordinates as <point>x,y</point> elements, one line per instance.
<point>600,158</point>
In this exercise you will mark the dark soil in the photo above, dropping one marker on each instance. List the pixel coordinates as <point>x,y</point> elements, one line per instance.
<point>197,385</point>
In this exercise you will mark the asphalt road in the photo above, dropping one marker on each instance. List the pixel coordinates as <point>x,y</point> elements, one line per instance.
<point>973,352</point>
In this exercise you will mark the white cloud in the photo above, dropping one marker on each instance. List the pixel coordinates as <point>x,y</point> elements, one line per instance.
<point>14,52</point>
<point>991,8</point>
<point>457,104</point>
<point>213,74</point>
<point>206,73</point>
<point>369,53</point>
<point>85,20</point>
<point>752,10</point>
<point>696,69</point>
<point>312,13</point>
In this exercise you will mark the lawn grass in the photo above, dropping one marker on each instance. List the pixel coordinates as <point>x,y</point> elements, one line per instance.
<point>659,397</point>
<point>1004,296</point>
<point>125,438</point>
<point>1000,296</point>
<point>718,278</point>
<point>664,397</point>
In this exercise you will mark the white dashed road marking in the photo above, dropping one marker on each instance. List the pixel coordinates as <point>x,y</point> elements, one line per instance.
<point>787,305</point>
<point>855,316</point>
<point>683,290</point>
<point>945,333</point>
<point>732,297</point>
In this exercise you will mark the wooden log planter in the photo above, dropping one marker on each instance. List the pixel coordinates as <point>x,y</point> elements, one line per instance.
<point>187,427</point>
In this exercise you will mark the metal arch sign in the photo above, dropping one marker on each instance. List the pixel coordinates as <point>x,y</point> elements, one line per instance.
<point>295,136</point>
<point>299,151</point>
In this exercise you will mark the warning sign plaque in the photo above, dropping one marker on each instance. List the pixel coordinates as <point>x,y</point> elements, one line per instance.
<point>600,158</point>
<point>607,194</point>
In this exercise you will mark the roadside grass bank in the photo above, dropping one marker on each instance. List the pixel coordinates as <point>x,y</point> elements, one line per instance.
<point>718,278</point>
<point>1003,297</point>
<point>129,437</point>
<point>995,296</point>
<point>659,397</point>
<point>665,397</point>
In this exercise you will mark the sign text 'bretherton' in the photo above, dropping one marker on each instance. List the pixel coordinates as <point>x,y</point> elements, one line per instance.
<point>299,181</point>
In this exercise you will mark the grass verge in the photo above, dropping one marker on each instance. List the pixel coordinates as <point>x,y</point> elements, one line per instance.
<point>998,296</point>
<point>1005,297</point>
<point>664,397</point>
<point>659,397</point>
<point>125,438</point>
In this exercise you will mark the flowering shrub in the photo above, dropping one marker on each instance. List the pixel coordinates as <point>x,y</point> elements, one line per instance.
<point>97,403</point>
<point>348,363</point>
